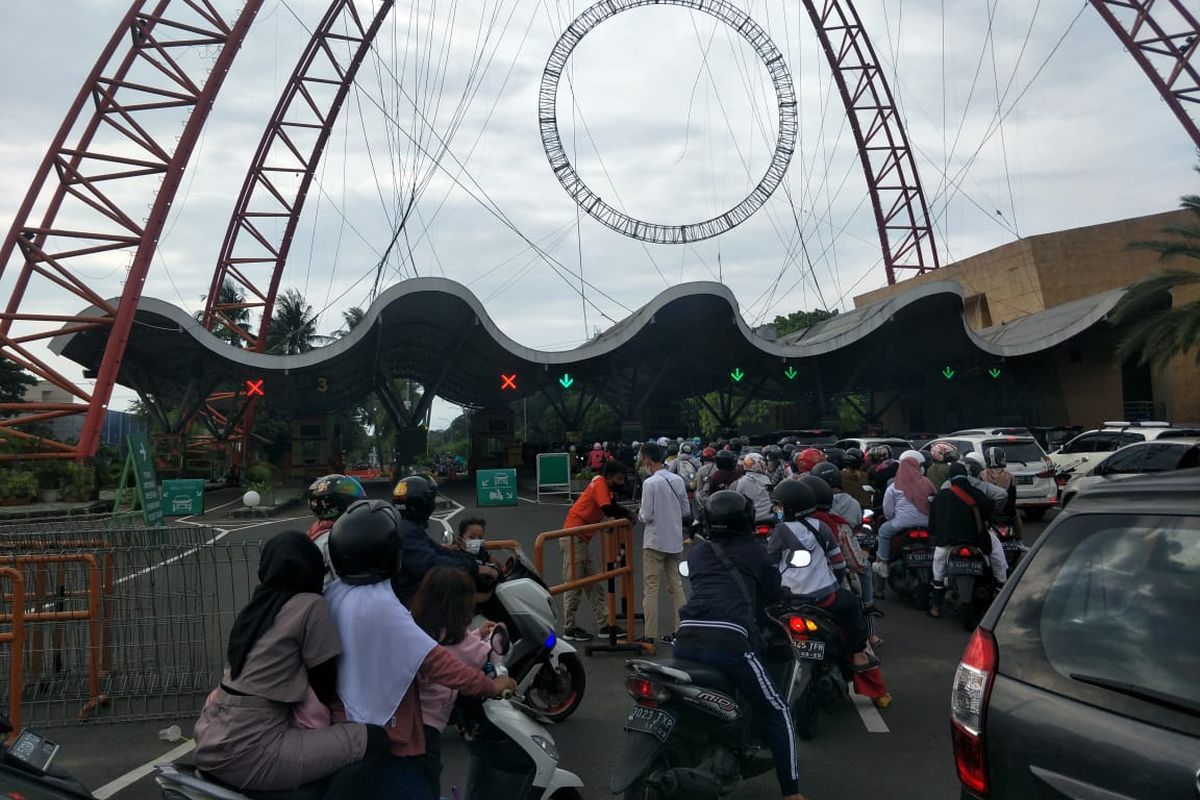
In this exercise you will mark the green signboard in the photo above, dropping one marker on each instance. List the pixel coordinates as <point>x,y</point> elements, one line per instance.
<point>553,474</point>
<point>496,487</point>
<point>182,498</point>
<point>140,462</point>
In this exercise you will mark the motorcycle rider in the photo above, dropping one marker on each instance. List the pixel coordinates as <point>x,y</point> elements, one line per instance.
<point>882,470</point>
<point>958,516</point>
<point>414,499</point>
<point>732,579</point>
<point>805,460</point>
<point>854,477</point>
<point>724,476</point>
<point>842,514</point>
<point>818,583</point>
<point>996,461</point>
<point>944,454</point>
<point>384,651</point>
<point>707,466</point>
<point>905,504</point>
<point>776,465</point>
<point>755,485</point>
<point>328,498</point>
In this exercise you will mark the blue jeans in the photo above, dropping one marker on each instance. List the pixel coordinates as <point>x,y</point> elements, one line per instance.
<point>382,777</point>
<point>885,541</point>
<point>746,672</point>
<point>866,583</point>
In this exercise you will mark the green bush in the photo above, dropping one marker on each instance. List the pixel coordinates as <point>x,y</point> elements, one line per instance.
<point>584,475</point>
<point>18,485</point>
<point>80,480</point>
<point>52,474</point>
<point>260,473</point>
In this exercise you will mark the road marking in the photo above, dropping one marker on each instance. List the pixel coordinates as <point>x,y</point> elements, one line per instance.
<point>444,519</point>
<point>867,711</point>
<point>134,775</point>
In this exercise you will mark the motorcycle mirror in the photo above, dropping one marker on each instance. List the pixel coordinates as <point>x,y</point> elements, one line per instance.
<point>500,641</point>
<point>683,568</point>
<point>869,489</point>
<point>800,558</point>
<point>448,538</point>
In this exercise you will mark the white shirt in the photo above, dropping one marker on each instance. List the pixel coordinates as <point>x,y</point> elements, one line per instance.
<point>664,505</point>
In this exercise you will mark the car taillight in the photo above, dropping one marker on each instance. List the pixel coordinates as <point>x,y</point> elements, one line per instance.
<point>968,708</point>
<point>645,691</point>
<point>965,552</point>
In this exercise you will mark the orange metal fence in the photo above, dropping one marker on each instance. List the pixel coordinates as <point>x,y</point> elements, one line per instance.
<point>14,637</point>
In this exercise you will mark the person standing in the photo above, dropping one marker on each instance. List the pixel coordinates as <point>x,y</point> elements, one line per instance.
<point>594,505</point>
<point>664,505</point>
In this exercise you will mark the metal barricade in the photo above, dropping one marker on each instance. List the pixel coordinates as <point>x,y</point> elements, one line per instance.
<point>616,543</point>
<point>15,639</point>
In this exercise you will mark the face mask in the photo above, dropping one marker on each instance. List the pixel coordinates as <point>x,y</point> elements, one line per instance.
<point>474,546</point>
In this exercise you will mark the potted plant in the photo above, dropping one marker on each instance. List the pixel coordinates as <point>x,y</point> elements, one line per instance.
<point>80,483</point>
<point>17,487</point>
<point>260,478</point>
<point>51,475</point>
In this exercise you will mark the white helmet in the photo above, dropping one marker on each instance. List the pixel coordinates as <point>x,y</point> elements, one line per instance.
<point>663,441</point>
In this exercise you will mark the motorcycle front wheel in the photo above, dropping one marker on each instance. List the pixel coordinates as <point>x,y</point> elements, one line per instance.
<point>558,692</point>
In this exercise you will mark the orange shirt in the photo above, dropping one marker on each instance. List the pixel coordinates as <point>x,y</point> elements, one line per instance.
<point>589,506</point>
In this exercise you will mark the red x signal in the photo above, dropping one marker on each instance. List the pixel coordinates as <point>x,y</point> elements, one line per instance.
<point>255,388</point>
<point>508,382</point>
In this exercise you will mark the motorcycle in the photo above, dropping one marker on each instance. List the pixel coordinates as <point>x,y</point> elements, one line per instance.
<point>1010,540</point>
<point>910,568</point>
<point>547,669</point>
<point>27,767</point>
<point>969,585</point>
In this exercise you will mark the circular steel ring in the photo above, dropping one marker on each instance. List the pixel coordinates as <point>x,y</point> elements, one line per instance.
<point>591,202</point>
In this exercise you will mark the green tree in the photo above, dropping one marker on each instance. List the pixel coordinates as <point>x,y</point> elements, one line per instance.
<point>351,318</point>
<point>293,326</point>
<point>799,320</point>
<point>1160,329</point>
<point>228,296</point>
<point>13,382</point>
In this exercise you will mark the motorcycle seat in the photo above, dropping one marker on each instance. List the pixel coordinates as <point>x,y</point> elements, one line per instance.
<point>701,674</point>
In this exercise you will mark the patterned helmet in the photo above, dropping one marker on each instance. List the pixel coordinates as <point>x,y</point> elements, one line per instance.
<point>880,453</point>
<point>944,452</point>
<point>329,496</point>
<point>753,462</point>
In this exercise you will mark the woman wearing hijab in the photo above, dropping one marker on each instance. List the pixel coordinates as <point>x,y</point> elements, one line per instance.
<point>385,652</point>
<point>283,650</point>
<point>905,504</point>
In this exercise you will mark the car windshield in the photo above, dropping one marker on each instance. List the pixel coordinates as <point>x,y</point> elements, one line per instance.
<point>1107,602</point>
<point>1026,452</point>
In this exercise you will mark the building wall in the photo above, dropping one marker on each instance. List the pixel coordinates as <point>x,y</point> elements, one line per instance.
<point>1043,271</point>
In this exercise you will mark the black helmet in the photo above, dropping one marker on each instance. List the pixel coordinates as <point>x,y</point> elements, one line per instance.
<point>673,449</point>
<point>796,498</point>
<point>725,459</point>
<point>854,458</point>
<point>958,470</point>
<point>365,543</point>
<point>773,452</point>
<point>329,496</point>
<point>415,497</point>
<point>821,491</point>
<point>835,455</point>
<point>729,513</point>
<point>827,472</point>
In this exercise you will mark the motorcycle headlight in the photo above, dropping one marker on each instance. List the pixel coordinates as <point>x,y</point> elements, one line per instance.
<point>546,745</point>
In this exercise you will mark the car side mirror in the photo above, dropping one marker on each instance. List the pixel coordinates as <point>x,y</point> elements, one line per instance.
<point>800,558</point>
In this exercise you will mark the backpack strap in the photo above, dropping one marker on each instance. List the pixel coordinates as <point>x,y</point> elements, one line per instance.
<point>737,573</point>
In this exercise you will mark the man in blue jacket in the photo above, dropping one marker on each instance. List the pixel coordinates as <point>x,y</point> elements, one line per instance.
<point>732,579</point>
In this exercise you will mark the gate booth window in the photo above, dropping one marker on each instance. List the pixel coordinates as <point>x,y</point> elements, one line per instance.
<point>310,446</point>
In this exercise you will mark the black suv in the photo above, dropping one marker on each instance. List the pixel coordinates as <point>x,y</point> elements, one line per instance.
<point>1083,679</point>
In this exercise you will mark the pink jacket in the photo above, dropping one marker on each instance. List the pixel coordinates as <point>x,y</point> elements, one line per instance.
<point>437,701</point>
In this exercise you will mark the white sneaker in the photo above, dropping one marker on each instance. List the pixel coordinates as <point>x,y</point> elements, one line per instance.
<point>881,569</point>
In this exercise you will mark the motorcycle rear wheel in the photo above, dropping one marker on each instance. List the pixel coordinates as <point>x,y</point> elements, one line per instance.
<point>805,712</point>
<point>640,790</point>
<point>558,693</point>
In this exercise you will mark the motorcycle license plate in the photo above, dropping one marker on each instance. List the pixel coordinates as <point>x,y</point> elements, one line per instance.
<point>918,558</point>
<point>814,651</point>
<point>654,721</point>
<point>965,567</point>
<point>1010,545</point>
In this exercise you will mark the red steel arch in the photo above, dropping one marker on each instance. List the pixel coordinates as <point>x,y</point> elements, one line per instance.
<point>91,188</point>
<point>1163,44</point>
<point>253,255</point>
<point>901,213</point>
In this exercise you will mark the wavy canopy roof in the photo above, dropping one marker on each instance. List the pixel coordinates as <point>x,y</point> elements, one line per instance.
<point>684,342</point>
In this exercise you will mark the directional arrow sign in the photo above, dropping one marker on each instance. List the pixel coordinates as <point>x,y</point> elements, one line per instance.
<point>948,372</point>
<point>791,373</point>
<point>995,373</point>
<point>566,380</point>
<point>737,375</point>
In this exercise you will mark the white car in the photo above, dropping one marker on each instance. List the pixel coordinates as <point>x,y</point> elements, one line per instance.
<point>1037,491</point>
<point>1091,446</point>
<point>1158,455</point>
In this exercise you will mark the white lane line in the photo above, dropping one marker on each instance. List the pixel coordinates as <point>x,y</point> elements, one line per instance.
<point>444,519</point>
<point>866,710</point>
<point>133,776</point>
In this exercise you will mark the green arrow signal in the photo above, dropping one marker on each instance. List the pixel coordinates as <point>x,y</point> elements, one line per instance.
<point>566,380</point>
<point>791,373</point>
<point>995,373</point>
<point>948,372</point>
<point>737,375</point>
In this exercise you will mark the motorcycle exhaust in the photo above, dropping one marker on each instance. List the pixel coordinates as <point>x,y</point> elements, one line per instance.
<point>693,784</point>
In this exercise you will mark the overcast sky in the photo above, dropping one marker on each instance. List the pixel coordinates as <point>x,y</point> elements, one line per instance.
<point>665,113</point>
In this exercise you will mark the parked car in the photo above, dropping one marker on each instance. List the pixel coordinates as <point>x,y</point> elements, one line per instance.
<point>865,443</point>
<point>1113,436</point>
<point>1159,455</point>
<point>1080,681</point>
<point>1037,491</point>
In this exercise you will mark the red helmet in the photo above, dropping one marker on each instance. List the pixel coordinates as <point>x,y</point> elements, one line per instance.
<point>808,458</point>
<point>708,454</point>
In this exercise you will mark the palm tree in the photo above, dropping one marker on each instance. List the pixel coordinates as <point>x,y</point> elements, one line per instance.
<point>1160,330</point>
<point>293,326</point>
<point>230,300</point>
<point>352,317</point>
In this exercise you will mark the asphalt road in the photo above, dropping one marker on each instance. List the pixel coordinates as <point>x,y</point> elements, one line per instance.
<point>903,751</point>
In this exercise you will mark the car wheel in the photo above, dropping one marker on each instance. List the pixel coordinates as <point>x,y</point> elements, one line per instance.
<point>1034,514</point>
